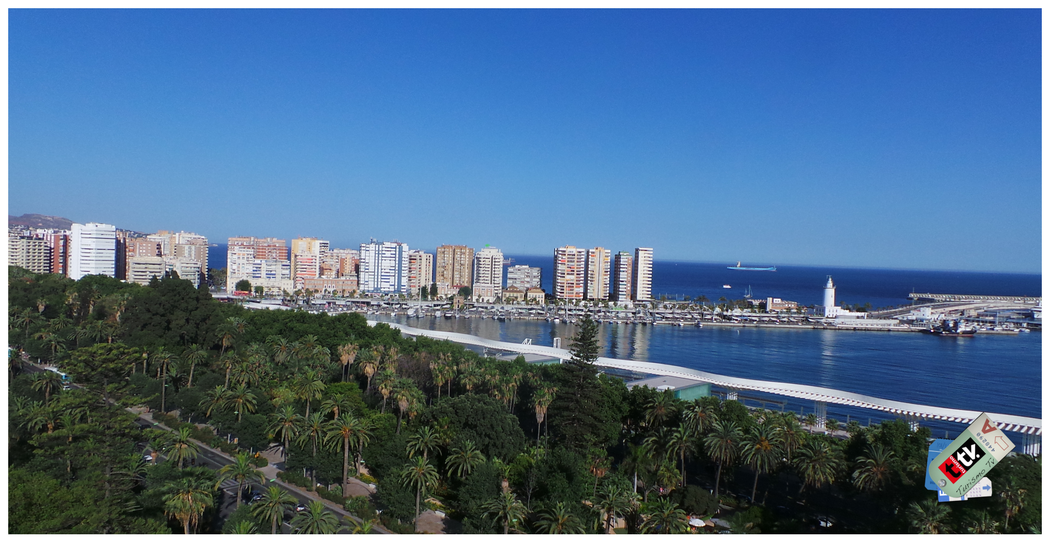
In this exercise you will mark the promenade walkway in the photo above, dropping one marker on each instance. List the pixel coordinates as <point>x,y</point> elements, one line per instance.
<point>1030,428</point>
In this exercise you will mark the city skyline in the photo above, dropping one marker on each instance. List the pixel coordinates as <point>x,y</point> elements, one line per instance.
<point>865,138</point>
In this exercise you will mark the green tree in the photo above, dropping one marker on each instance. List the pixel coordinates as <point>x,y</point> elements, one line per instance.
<point>285,424</point>
<point>423,441</point>
<point>242,470</point>
<point>316,520</point>
<point>559,520</point>
<point>180,447</point>
<point>722,445</point>
<point>463,459</point>
<point>186,501</point>
<point>351,433</point>
<point>194,355</point>
<point>274,504</point>
<point>421,475</point>
<point>506,509</point>
<point>243,286</point>
<point>760,450</point>
<point>101,367</point>
<point>874,468</point>
<point>665,517</point>
<point>928,517</point>
<point>818,462</point>
<point>48,382</point>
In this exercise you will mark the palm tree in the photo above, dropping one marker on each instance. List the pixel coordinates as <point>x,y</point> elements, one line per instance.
<point>722,444</point>
<point>927,516</point>
<point>194,355</point>
<point>216,398</point>
<point>541,401</point>
<point>463,460</point>
<point>506,509</point>
<point>681,443</point>
<point>817,462</point>
<point>792,436</point>
<point>241,400</point>
<point>242,470</point>
<point>181,447</point>
<point>186,500</point>
<point>760,450</point>
<point>874,468</point>
<point>368,360</point>
<point>614,500</point>
<point>47,381</point>
<point>699,416</point>
<point>281,349</point>
<point>665,517</point>
<point>316,520</point>
<point>25,318</point>
<point>337,403</point>
<point>351,433</point>
<point>405,395</point>
<point>347,353</point>
<point>423,441</point>
<point>308,387</point>
<point>558,520</point>
<point>421,475</point>
<point>284,424</point>
<point>660,407</point>
<point>1013,500</point>
<point>274,504</point>
<point>313,430</point>
<point>362,527</point>
<point>983,524</point>
<point>243,527</point>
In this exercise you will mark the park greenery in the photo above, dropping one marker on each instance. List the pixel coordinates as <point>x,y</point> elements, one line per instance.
<point>498,446</point>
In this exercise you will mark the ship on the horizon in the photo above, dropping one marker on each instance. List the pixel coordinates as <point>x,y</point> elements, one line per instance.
<point>763,268</point>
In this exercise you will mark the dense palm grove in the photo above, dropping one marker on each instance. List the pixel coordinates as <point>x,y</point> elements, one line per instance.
<point>499,446</point>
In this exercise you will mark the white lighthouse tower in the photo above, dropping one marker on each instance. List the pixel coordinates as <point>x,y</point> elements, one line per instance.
<point>829,299</point>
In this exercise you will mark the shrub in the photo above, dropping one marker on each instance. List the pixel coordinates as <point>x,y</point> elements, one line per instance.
<point>259,461</point>
<point>396,526</point>
<point>294,478</point>
<point>329,495</point>
<point>367,479</point>
<point>361,507</point>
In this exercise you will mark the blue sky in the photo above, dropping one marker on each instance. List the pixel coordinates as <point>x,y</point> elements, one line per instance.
<point>897,139</point>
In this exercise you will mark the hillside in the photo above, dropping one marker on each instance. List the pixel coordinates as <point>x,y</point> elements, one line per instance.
<point>39,221</point>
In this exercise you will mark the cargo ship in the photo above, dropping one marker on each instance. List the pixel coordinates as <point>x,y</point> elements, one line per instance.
<point>763,268</point>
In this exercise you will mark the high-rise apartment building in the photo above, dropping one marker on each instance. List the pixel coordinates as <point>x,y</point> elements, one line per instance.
<point>420,271</point>
<point>384,267</point>
<point>30,253</point>
<point>524,277</point>
<point>184,253</point>
<point>642,290</point>
<point>60,253</point>
<point>623,271</point>
<point>570,265</point>
<point>488,275</point>
<point>247,259</point>
<point>92,250</point>
<point>307,253</point>
<point>598,262</point>
<point>453,268</point>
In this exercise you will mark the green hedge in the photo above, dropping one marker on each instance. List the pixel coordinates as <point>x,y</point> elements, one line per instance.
<point>260,461</point>
<point>327,494</point>
<point>361,507</point>
<point>294,478</point>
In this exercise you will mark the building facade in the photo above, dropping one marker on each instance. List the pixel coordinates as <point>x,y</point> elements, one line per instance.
<point>570,265</point>
<point>622,273</point>
<point>598,263</point>
<point>642,289</point>
<point>488,275</point>
<point>453,268</point>
<point>524,277</point>
<point>92,250</point>
<point>420,271</point>
<point>30,253</point>
<point>245,260</point>
<point>383,268</point>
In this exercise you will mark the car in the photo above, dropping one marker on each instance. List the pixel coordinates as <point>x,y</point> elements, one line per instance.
<point>148,458</point>
<point>825,521</point>
<point>255,497</point>
<point>299,508</point>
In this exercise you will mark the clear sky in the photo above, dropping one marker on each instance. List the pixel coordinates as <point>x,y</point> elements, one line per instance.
<point>897,139</point>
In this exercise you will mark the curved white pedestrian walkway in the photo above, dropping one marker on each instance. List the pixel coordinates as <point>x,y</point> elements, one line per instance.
<point>1007,422</point>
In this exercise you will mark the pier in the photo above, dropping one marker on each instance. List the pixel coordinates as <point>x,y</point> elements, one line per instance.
<point>1025,301</point>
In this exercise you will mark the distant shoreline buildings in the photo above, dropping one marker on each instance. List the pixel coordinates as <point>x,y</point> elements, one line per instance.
<point>310,266</point>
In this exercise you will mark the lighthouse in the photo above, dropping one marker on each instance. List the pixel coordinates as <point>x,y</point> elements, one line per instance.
<point>829,298</point>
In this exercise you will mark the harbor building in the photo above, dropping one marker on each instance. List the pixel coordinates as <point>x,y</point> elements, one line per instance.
<point>92,250</point>
<point>30,253</point>
<point>622,271</point>
<point>842,318</point>
<point>524,277</point>
<point>685,389</point>
<point>598,263</point>
<point>570,265</point>
<point>453,268</point>
<point>262,261</point>
<point>383,268</point>
<point>420,271</point>
<point>642,281</point>
<point>488,275</point>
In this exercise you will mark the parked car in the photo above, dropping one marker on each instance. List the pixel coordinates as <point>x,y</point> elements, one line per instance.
<point>300,508</point>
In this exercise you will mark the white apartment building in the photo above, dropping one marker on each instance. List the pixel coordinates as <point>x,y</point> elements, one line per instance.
<point>245,260</point>
<point>420,271</point>
<point>488,275</point>
<point>623,271</point>
<point>92,250</point>
<point>383,267</point>
<point>524,277</point>
<point>598,262</point>
<point>30,253</point>
<point>570,265</point>
<point>642,290</point>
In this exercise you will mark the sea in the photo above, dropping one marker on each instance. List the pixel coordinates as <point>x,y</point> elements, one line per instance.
<point>990,373</point>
